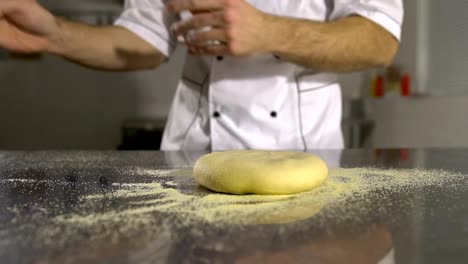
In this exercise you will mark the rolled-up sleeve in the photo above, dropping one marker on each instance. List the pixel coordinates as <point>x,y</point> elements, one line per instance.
<point>387,13</point>
<point>149,20</point>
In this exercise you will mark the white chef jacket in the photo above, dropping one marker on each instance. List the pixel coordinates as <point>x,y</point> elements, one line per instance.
<point>260,102</point>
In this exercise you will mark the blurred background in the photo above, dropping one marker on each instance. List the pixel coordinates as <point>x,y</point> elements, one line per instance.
<point>421,101</point>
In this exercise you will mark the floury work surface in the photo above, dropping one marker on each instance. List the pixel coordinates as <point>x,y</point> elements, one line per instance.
<point>400,206</point>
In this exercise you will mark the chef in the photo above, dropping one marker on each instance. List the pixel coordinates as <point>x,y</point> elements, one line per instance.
<point>259,74</point>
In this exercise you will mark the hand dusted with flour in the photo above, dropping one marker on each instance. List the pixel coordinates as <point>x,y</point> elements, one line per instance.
<point>260,172</point>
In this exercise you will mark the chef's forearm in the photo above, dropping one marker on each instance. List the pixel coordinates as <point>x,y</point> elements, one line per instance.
<point>350,44</point>
<point>110,48</point>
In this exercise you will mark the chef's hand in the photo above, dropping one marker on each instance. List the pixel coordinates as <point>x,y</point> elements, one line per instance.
<point>237,27</point>
<point>25,26</point>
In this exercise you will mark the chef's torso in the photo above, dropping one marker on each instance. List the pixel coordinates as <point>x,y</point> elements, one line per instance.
<point>259,102</point>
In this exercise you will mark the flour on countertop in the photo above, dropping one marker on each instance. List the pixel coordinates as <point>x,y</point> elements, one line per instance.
<point>174,198</point>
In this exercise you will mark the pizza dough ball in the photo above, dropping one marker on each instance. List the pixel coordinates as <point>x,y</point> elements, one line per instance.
<point>260,172</point>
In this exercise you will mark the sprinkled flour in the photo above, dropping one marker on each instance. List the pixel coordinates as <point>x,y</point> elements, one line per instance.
<point>171,199</point>
<point>214,208</point>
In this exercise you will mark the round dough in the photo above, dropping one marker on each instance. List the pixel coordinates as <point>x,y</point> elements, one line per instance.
<point>260,172</point>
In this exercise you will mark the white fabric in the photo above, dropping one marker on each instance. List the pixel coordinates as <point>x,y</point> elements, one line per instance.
<point>387,13</point>
<point>389,258</point>
<point>263,102</point>
<point>149,20</point>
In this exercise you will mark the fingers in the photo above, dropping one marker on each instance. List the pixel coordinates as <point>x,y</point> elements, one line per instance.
<point>212,50</point>
<point>7,7</point>
<point>212,19</point>
<point>204,38</point>
<point>177,6</point>
<point>206,14</point>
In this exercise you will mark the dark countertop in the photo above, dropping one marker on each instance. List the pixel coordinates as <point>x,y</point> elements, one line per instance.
<point>143,207</point>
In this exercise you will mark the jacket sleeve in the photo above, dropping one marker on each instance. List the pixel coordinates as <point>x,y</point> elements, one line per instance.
<point>386,13</point>
<point>149,20</point>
